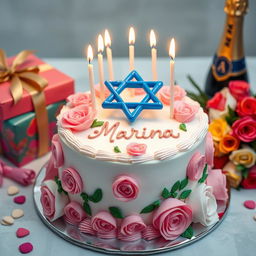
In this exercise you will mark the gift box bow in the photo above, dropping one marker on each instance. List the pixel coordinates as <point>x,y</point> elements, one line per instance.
<point>27,78</point>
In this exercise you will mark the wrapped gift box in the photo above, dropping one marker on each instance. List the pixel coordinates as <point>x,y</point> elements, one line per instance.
<point>19,135</point>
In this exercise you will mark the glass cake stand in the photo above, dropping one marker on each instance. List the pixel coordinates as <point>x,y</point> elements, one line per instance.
<point>113,246</point>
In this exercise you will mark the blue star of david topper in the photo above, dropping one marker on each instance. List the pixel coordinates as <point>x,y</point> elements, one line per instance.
<point>133,80</point>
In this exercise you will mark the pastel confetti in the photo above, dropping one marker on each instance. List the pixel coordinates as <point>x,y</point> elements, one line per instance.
<point>17,213</point>
<point>12,190</point>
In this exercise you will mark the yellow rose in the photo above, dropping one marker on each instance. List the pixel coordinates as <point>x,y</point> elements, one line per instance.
<point>234,176</point>
<point>218,128</point>
<point>245,156</point>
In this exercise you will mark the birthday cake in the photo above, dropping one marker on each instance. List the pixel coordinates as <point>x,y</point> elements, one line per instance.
<point>144,179</point>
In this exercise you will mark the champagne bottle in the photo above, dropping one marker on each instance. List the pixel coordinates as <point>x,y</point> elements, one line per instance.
<point>229,60</point>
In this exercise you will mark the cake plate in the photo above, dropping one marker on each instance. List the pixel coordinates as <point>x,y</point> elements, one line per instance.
<point>113,246</point>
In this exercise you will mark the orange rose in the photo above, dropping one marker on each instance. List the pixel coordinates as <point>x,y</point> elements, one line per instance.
<point>228,144</point>
<point>218,128</point>
<point>217,152</point>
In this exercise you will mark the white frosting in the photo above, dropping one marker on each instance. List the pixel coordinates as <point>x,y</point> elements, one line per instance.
<point>157,149</point>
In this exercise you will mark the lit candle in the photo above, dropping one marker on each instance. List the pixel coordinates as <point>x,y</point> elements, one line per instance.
<point>100,67</point>
<point>91,75</point>
<point>109,55</point>
<point>131,48</point>
<point>153,54</point>
<point>172,62</point>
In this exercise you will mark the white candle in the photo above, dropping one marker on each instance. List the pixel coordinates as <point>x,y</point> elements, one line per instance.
<point>153,54</point>
<point>109,55</point>
<point>131,48</point>
<point>172,64</point>
<point>91,75</point>
<point>100,67</point>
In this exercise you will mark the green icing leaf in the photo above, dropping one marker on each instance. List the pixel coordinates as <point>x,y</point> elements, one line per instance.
<point>165,193</point>
<point>117,149</point>
<point>183,127</point>
<point>185,194</point>
<point>189,232</point>
<point>87,208</point>
<point>97,196</point>
<point>183,184</point>
<point>97,123</point>
<point>60,189</point>
<point>204,176</point>
<point>175,187</point>
<point>84,196</point>
<point>116,212</point>
<point>151,207</point>
<point>173,195</point>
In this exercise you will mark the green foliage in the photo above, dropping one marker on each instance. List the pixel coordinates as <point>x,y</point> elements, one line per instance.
<point>97,123</point>
<point>116,212</point>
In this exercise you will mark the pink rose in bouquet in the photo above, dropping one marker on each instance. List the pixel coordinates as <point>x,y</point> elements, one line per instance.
<point>239,89</point>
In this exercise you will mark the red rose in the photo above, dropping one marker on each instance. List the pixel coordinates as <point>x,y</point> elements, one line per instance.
<point>220,161</point>
<point>217,102</point>
<point>239,89</point>
<point>246,107</point>
<point>245,129</point>
<point>250,181</point>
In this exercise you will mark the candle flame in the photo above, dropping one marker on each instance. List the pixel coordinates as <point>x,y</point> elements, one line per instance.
<point>131,36</point>
<point>89,53</point>
<point>107,39</point>
<point>152,38</point>
<point>172,49</point>
<point>100,43</point>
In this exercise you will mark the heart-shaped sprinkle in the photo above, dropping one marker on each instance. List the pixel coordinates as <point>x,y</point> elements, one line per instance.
<point>17,213</point>
<point>19,199</point>
<point>13,190</point>
<point>26,248</point>
<point>250,204</point>
<point>7,220</point>
<point>21,232</point>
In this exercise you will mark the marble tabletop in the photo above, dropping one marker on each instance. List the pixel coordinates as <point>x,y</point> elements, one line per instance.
<point>236,236</point>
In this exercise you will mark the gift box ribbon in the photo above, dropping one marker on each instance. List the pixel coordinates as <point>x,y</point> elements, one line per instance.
<point>28,78</point>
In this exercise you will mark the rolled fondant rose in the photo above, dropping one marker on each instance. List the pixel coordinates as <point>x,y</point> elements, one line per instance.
<point>71,181</point>
<point>233,175</point>
<point>228,144</point>
<point>196,166</point>
<point>150,233</point>
<point>80,98</point>
<point>245,156</point>
<point>247,107</point>
<point>78,119</point>
<point>209,149</point>
<point>244,129</point>
<point>239,89</point>
<point>136,149</point>
<point>85,226</point>
<point>57,151</point>
<point>218,128</point>
<point>52,201</point>
<point>203,204</point>
<point>125,188</point>
<point>172,218</point>
<point>250,181</point>
<point>164,94</point>
<point>104,224</point>
<point>51,170</point>
<point>217,180</point>
<point>184,112</point>
<point>74,212</point>
<point>131,228</point>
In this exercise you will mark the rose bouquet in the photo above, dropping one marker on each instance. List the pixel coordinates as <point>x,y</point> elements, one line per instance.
<point>232,116</point>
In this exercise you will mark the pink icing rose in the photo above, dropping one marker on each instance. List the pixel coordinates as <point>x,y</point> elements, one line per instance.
<point>48,202</point>
<point>196,166</point>
<point>86,227</point>
<point>239,89</point>
<point>184,112</point>
<point>57,152</point>
<point>125,188</point>
<point>131,228</point>
<point>209,149</point>
<point>78,119</point>
<point>136,149</point>
<point>71,181</point>
<point>80,98</point>
<point>51,170</point>
<point>150,233</point>
<point>74,213</point>
<point>172,218</point>
<point>244,129</point>
<point>164,94</point>
<point>104,224</point>
<point>217,180</point>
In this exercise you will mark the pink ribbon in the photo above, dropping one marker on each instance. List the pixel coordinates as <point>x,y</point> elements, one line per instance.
<point>21,175</point>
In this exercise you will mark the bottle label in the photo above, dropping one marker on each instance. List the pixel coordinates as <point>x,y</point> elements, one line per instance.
<point>223,68</point>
